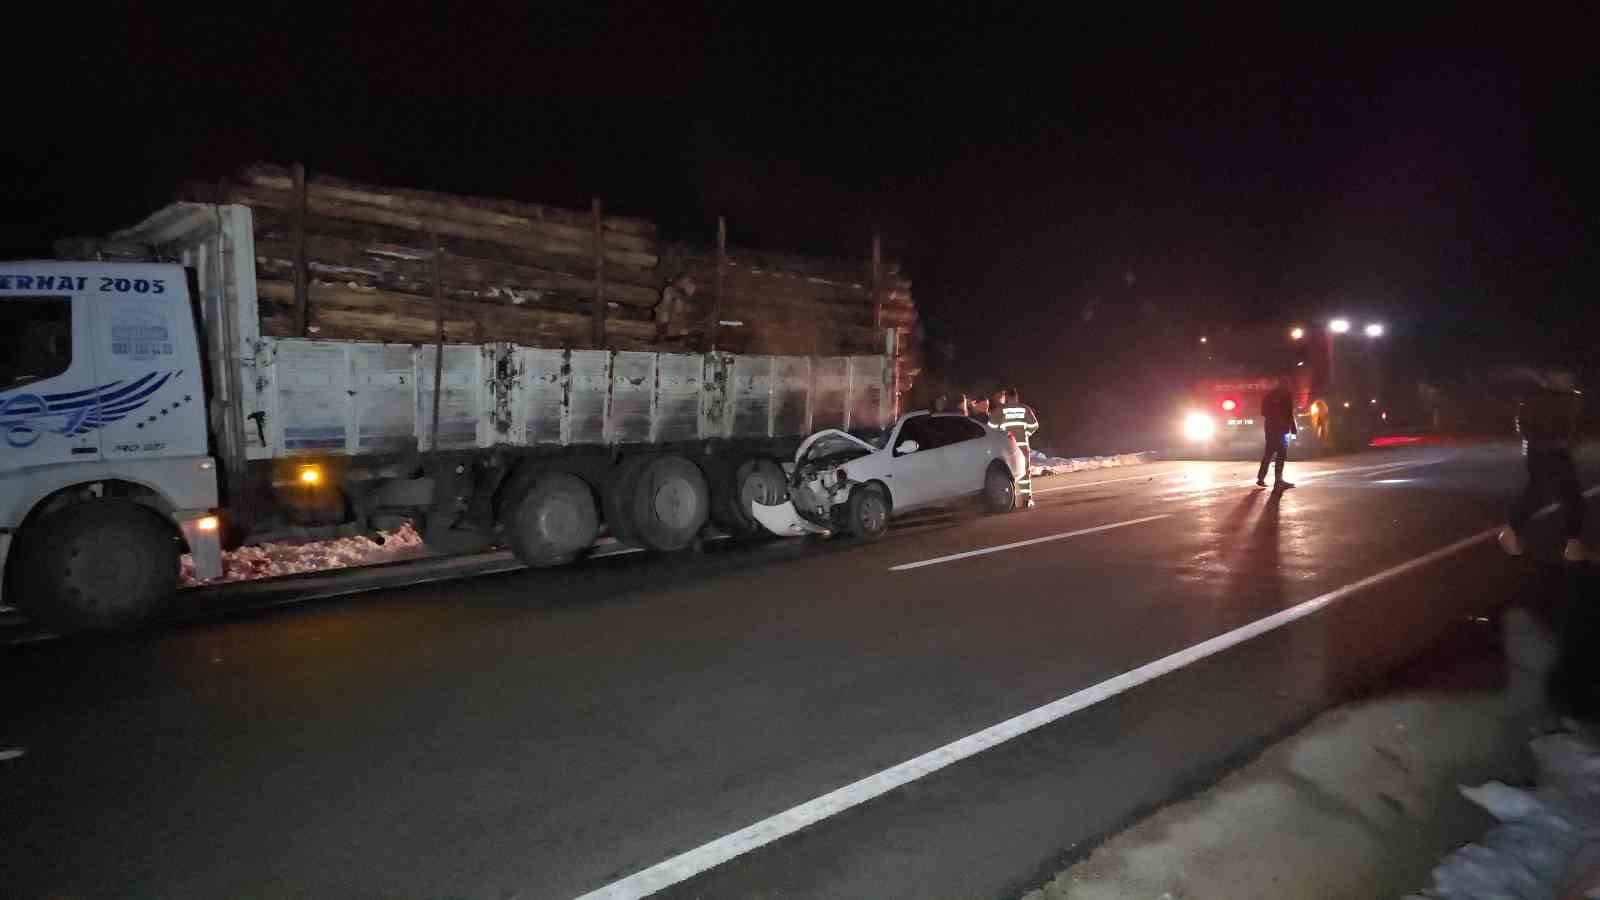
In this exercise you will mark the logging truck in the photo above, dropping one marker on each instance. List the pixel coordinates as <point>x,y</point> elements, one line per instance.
<point>302,361</point>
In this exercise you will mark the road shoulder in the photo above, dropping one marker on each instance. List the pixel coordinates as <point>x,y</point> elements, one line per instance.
<point>1363,802</point>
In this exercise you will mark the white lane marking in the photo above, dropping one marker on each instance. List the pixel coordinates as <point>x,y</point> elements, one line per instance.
<point>13,753</point>
<point>686,865</point>
<point>1073,487</point>
<point>1182,493</point>
<point>1028,543</point>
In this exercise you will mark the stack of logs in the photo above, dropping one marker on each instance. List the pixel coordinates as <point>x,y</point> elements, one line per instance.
<point>337,259</point>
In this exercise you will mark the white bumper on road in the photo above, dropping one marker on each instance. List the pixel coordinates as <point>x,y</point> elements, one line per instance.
<point>783,520</point>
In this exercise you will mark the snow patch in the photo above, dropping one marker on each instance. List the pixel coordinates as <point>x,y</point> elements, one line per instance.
<point>1039,464</point>
<point>273,559</point>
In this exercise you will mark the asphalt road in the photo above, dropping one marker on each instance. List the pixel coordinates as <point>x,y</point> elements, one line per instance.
<point>546,734</point>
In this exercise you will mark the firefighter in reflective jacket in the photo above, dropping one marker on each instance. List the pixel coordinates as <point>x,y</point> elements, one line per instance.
<point>1018,419</point>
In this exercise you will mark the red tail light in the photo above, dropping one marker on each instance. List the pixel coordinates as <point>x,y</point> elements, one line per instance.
<point>1230,405</point>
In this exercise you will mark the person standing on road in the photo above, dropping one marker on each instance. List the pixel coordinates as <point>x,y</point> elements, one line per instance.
<point>1547,419</point>
<point>1019,420</point>
<point>1277,417</point>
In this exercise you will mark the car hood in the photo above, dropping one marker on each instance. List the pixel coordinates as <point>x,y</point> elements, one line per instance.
<point>831,442</point>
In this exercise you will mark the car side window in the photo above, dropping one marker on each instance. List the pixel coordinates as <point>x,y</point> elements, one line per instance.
<point>956,429</point>
<point>920,429</point>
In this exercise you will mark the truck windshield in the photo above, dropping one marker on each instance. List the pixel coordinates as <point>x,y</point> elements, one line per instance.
<point>35,339</point>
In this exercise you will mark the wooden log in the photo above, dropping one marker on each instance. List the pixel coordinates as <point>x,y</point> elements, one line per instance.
<point>415,282</point>
<point>338,311</point>
<point>356,260</point>
<point>456,211</point>
<point>746,281</point>
<point>842,272</point>
<point>273,225</point>
<point>272,176</point>
<point>530,240</point>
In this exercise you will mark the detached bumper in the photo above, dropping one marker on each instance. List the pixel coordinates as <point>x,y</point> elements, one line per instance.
<point>783,520</point>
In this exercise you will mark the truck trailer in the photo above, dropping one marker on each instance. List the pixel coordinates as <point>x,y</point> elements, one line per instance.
<point>160,394</point>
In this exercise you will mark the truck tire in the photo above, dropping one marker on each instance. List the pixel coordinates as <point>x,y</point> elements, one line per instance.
<point>618,499</point>
<point>98,566</point>
<point>756,480</point>
<point>999,490</point>
<point>670,503</point>
<point>868,512</point>
<point>553,521</point>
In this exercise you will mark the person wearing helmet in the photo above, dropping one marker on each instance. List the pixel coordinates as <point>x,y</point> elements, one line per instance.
<point>1547,419</point>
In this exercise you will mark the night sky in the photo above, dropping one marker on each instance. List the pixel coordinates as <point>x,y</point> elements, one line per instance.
<point>1074,199</point>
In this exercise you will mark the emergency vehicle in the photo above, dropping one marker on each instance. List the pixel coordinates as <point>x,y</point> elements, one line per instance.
<point>1335,379</point>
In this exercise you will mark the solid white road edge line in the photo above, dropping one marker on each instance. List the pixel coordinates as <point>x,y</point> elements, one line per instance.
<point>1028,543</point>
<point>687,865</point>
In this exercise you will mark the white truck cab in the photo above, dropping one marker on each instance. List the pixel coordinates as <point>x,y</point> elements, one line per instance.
<point>105,468</point>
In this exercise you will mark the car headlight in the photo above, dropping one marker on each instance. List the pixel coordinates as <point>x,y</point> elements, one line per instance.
<point>1199,427</point>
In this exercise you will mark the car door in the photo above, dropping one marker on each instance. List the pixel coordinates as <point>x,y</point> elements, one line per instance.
<point>968,453</point>
<point>914,477</point>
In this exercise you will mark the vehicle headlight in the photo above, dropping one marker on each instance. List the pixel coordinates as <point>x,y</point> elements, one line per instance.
<point>1198,427</point>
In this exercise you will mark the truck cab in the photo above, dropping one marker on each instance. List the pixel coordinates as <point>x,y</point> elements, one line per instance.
<point>106,473</point>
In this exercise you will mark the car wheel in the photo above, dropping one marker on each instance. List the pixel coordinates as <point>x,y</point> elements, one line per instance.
<point>869,513</point>
<point>999,490</point>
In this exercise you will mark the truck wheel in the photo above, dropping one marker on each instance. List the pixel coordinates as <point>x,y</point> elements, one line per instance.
<point>619,499</point>
<point>100,566</point>
<point>868,514</point>
<point>553,521</point>
<point>670,503</point>
<point>755,481</point>
<point>999,490</point>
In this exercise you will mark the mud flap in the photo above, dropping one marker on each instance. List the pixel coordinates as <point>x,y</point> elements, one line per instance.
<point>783,520</point>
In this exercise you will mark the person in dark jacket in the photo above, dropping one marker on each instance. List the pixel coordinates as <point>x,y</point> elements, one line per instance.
<point>978,410</point>
<point>1547,419</point>
<point>1277,417</point>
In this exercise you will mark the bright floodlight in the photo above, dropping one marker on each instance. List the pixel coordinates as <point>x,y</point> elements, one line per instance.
<point>1339,326</point>
<point>1296,333</point>
<point>1374,330</point>
<point>1198,427</point>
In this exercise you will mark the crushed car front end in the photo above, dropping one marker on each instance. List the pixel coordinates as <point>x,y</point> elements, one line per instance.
<point>819,485</point>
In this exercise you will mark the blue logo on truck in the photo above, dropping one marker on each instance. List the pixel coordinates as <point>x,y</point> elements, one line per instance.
<point>25,417</point>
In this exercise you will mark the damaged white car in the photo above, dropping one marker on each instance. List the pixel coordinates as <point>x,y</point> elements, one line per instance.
<point>842,482</point>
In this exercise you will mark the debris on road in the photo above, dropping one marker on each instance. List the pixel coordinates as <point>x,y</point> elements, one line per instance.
<point>273,559</point>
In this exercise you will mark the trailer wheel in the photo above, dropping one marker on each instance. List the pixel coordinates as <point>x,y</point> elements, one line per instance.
<point>98,566</point>
<point>619,499</point>
<point>553,521</point>
<point>999,490</point>
<point>755,481</point>
<point>670,503</point>
<point>868,514</point>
